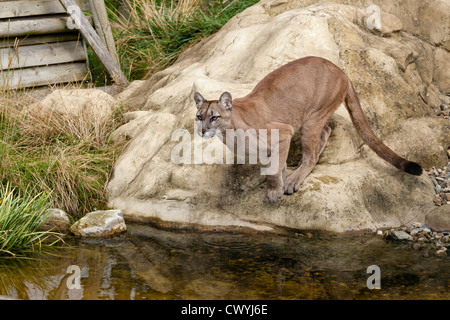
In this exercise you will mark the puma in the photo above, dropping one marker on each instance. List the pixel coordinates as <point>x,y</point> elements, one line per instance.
<point>300,95</point>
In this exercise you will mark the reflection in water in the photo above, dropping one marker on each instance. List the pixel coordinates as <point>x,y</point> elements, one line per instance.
<point>154,264</point>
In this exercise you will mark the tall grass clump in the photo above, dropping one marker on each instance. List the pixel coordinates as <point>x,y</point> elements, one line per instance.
<point>69,157</point>
<point>155,32</point>
<point>20,219</point>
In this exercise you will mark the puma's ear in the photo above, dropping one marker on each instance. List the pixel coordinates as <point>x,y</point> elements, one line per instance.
<point>198,98</point>
<point>226,101</point>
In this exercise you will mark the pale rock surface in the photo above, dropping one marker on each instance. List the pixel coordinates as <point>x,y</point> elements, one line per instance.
<point>74,102</point>
<point>85,112</point>
<point>56,220</point>
<point>400,75</point>
<point>102,223</point>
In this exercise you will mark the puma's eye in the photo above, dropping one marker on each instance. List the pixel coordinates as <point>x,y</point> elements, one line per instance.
<point>214,118</point>
<point>199,117</point>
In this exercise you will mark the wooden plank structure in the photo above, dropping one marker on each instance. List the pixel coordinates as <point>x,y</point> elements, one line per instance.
<point>39,44</point>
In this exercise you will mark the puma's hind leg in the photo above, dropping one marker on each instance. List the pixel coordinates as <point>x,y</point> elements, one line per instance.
<point>275,181</point>
<point>326,132</point>
<point>313,143</point>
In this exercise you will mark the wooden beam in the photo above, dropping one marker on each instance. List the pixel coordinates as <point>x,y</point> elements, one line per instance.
<point>25,8</point>
<point>31,26</point>
<point>102,14</point>
<point>97,45</point>
<point>42,76</point>
<point>41,55</point>
<point>97,25</point>
<point>39,39</point>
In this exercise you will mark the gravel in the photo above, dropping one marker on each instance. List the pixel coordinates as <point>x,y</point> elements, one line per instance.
<point>420,237</point>
<point>441,176</point>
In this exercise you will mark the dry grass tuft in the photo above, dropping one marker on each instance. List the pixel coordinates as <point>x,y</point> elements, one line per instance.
<point>58,152</point>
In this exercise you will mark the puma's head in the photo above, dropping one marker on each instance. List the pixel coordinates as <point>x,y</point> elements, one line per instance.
<point>214,115</point>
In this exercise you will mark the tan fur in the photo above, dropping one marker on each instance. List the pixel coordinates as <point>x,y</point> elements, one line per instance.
<point>300,95</point>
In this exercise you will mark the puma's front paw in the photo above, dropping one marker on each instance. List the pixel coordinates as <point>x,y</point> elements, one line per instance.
<point>291,185</point>
<point>275,194</point>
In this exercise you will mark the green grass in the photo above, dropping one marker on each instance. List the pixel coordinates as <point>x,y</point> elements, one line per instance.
<point>20,219</point>
<point>71,160</point>
<point>157,32</point>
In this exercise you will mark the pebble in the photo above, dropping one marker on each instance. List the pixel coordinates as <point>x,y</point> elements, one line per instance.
<point>421,239</point>
<point>399,235</point>
<point>438,189</point>
<point>442,252</point>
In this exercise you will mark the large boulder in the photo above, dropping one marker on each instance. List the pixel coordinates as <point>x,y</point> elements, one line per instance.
<point>396,69</point>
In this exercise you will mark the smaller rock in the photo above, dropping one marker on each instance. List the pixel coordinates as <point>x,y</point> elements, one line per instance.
<point>433,179</point>
<point>56,220</point>
<point>400,236</point>
<point>103,223</point>
<point>416,224</point>
<point>442,252</point>
<point>422,239</point>
<point>437,201</point>
<point>438,243</point>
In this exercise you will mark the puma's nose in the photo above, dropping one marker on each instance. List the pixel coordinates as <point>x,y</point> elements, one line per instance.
<point>203,131</point>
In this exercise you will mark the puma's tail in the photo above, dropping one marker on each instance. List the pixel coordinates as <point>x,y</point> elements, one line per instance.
<point>366,133</point>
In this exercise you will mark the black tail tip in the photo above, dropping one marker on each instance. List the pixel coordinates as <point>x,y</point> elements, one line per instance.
<point>413,168</point>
